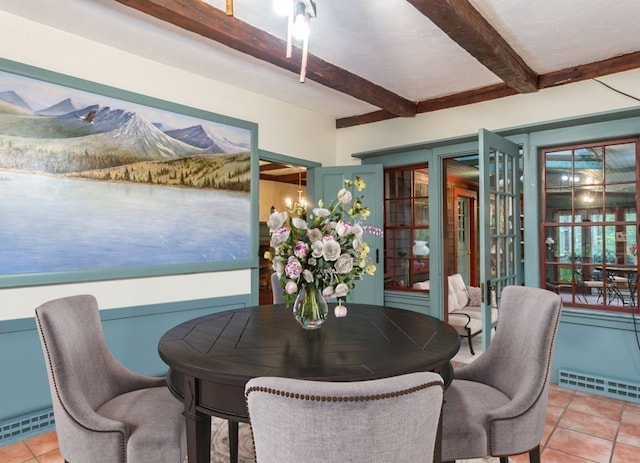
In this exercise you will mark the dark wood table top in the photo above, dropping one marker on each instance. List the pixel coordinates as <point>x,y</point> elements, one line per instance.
<point>224,350</point>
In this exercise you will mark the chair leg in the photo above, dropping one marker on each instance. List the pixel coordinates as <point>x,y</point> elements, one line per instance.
<point>504,459</point>
<point>534,455</point>
<point>470,344</point>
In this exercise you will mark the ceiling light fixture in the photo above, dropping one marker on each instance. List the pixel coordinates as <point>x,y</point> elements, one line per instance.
<point>300,13</point>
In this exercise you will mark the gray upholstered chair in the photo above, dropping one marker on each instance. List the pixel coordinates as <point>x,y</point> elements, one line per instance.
<point>103,411</point>
<point>497,405</point>
<point>381,420</point>
<point>276,289</point>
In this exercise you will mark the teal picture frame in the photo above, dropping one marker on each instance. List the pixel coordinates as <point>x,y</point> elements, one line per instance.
<point>65,134</point>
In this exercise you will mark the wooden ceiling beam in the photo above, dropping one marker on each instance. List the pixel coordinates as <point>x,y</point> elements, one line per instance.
<point>203,19</point>
<point>563,76</point>
<point>469,29</point>
<point>591,71</point>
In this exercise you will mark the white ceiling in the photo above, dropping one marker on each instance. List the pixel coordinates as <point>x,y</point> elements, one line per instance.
<point>387,42</point>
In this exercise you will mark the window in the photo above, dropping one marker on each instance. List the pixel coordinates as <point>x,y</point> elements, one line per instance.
<point>406,208</point>
<point>590,223</point>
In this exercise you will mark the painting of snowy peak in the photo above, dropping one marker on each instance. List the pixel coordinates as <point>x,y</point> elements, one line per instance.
<point>90,182</point>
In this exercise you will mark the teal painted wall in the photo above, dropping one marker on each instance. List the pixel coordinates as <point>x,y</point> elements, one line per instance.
<point>132,334</point>
<point>599,344</point>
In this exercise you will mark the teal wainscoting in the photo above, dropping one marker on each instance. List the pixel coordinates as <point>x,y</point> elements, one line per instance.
<point>132,334</point>
<point>598,345</point>
<point>418,302</point>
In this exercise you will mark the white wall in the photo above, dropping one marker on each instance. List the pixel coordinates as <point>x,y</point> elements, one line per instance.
<point>279,123</point>
<point>555,103</point>
<point>37,45</point>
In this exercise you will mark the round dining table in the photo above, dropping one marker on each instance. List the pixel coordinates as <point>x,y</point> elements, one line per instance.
<point>211,358</point>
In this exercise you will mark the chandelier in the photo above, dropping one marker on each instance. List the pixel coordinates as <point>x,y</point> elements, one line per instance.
<point>299,207</point>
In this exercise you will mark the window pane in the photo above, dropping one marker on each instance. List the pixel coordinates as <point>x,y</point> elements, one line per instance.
<point>406,227</point>
<point>590,223</point>
<point>558,169</point>
<point>559,200</point>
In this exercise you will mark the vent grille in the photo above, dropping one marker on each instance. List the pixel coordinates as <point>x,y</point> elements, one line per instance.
<point>599,385</point>
<point>26,426</point>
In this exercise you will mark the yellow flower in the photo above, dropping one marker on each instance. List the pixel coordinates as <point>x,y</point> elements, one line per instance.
<point>371,269</point>
<point>364,249</point>
<point>359,184</point>
<point>267,255</point>
<point>365,212</point>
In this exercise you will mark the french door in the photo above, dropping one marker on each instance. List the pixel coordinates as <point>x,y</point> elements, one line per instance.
<point>499,221</point>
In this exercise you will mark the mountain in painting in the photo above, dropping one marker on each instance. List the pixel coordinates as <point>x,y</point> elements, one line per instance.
<point>202,138</point>
<point>13,98</point>
<point>58,109</point>
<point>128,131</point>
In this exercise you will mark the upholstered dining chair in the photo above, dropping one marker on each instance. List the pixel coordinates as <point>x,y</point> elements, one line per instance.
<point>380,420</point>
<point>103,411</point>
<point>276,289</point>
<point>496,406</point>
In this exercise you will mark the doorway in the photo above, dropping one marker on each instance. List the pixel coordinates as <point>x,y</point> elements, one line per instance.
<point>466,234</point>
<point>461,223</point>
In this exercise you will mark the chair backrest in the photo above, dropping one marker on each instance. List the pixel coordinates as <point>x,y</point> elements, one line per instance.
<point>383,420</point>
<point>82,372</point>
<point>458,294</point>
<point>276,289</point>
<point>521,350</point>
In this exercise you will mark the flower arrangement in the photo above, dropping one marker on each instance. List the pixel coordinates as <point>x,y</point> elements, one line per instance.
<point>323,251</point>
<point>633,249</point>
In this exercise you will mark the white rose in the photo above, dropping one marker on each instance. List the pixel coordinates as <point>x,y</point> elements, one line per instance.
<point>344,196</point>
<point>299,223</point>
<point>343,228</point>
<point>331,250</point>
<point>291,287</point>
<point>341,290</point>
<point>321,212</point>
<point>307,275</point>
<point>276,220</point>
<point>316,249</point>
<point>340,311</point>
<point>357,230</point>
<point>328,292</point>
<point>314,235</point>
<point>344,264</point>
<point>278,265</point>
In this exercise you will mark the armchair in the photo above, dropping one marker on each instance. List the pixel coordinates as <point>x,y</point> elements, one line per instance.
<point>377,421</point>
<point>465,313</point>
<point>496,406</point>
<point>104,413</point>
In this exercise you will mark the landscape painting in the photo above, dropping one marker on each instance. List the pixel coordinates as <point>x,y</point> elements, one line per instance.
<point>91,182</point>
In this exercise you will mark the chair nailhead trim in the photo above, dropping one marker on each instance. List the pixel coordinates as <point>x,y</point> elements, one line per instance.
<point>324,398</point>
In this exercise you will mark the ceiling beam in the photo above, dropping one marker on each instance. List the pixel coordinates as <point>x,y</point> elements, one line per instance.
<point>469,29</point>
<point>592,70</point>
<point>563,76</point>
<point>203,19</point>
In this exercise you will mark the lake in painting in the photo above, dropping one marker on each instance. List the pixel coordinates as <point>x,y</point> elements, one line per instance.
<point>53,224</point>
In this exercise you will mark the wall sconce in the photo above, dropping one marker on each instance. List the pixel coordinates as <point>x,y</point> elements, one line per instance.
<point>549,242</point>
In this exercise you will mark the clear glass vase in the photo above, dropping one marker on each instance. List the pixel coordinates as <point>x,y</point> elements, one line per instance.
<point>310,307</point>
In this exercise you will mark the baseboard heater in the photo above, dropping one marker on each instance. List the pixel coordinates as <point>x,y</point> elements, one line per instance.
<point>609,387</point>
<point>26,426</point>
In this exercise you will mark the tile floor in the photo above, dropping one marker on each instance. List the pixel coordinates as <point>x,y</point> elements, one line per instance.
<point>580,428</point>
